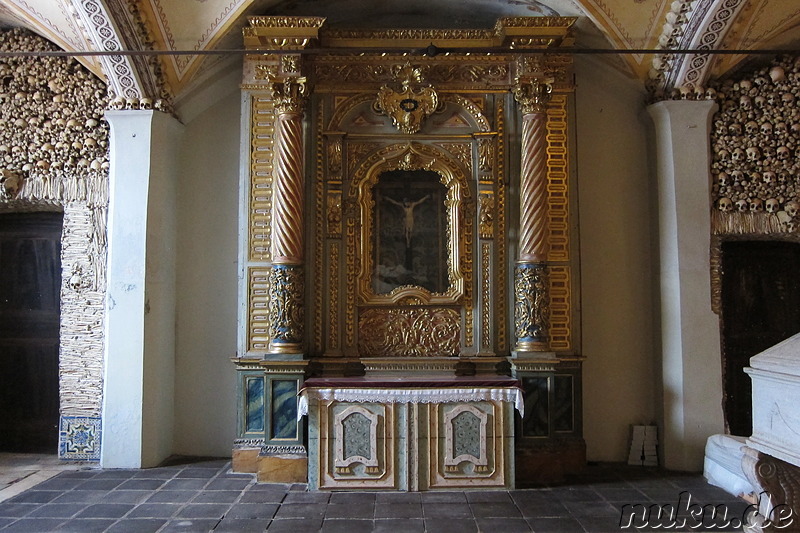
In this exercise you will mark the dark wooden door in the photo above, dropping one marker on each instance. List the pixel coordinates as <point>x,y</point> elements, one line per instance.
<point>30,282</point>
<point>760,308</point>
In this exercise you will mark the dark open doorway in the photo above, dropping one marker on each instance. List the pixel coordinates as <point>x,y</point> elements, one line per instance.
<point>30,282</point>
<point>760,308</point>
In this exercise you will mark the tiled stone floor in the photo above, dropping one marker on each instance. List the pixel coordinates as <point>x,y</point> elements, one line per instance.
<point>206,496</point>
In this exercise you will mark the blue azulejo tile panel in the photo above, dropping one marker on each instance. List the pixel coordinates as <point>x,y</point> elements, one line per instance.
<point>79,438</point>
<point>284,409</point>
<point>254,416</point>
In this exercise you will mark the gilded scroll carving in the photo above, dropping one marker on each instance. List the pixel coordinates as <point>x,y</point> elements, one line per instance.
<point>409,107</point>
<point>333,214</point>
<point>486,293</point>
<point>462,151</point>
<point>286,307</point>
<point>531,307</point>
<point>486,209</point>
<point>409,332</point>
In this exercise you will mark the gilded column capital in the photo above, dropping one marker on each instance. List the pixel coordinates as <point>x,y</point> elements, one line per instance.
<point>533,94</point>
<point>290,95</point>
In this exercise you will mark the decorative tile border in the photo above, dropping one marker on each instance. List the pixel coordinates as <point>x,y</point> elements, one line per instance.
<point>79,438</point>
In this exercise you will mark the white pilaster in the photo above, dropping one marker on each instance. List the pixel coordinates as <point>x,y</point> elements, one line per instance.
<point>690,342</point>
<point>140,303</point>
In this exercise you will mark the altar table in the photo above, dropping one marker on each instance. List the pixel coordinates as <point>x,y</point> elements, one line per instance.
<point>411,433</point>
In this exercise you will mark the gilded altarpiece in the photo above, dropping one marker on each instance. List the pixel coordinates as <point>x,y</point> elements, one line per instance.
<point>409,207</point>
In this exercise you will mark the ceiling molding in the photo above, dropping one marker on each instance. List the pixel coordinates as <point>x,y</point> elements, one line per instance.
<point>714,20</point>
<point>109,26</point>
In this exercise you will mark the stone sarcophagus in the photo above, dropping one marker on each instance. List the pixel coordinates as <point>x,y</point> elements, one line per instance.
<point>772,453</point>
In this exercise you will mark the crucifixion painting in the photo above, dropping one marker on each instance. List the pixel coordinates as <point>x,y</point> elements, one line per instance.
<point>408,210</point>
<point>410,231</point>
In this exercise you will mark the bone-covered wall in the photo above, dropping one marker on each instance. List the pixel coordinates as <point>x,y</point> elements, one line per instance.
<point>54,156</point>
<point>756,151</point>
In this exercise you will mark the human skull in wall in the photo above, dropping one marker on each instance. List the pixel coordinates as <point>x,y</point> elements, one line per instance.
<point>725,204</point>
<point>772,205</point>
<point>10,183</point>
<point>764,105</point>
<point>51,101</point>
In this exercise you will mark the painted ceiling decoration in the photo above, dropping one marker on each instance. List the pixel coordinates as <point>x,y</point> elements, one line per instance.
<point>649,35</point>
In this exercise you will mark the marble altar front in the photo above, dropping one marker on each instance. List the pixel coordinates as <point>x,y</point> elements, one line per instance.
<point>434,432</point>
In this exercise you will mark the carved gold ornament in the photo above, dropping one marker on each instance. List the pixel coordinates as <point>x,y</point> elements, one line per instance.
<point>409,107</point>
<point>409,332</point>
<point>533,95</point>
<point>412,156</point>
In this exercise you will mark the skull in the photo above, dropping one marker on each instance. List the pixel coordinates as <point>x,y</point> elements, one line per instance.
<point>75,280</point>
<point>766,128</point>
<point>723,179</point>
<point>711,94</point>
<point>751,127</point>
<point>777,74</point>
<point>768,177</point>
<point>756,205</point>
<point>735,129</point>
<point>760,101</point>
<point>780,128</point>
<point>741,206</point>
<point>739,154</point>
<point>787,98</point>
<point>773,206</point>
<point>725,205</point>
<point>117,103</point>
<point>10,183</point>
<point>791,207</point>
<point>753,154</point>
<point>783,153</point>
<point>745,103</point>
<point>146,103</point>
<point>724,155</point>
<point>720,128</point>
<point>745,85</point>
<point>132,103</point>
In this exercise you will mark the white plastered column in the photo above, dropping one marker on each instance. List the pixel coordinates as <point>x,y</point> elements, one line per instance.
<point>138,389</point>
<point>690,342</point>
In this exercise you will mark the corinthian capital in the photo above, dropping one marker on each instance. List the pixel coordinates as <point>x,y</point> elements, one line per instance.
<point>533,94</point>
<point>290,95</point>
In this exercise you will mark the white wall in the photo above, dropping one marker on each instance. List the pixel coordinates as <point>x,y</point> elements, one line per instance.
<point>617,264</point>
<point>205,385</point>
<point>160,296</point>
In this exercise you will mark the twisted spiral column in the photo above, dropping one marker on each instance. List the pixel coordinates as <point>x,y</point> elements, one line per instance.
<point>531,298</point>
<point>287,199</point>
<point>533,189</point>
<point>286,278</point>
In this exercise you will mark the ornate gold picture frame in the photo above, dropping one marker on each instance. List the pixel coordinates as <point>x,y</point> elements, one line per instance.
<point>397,250</point>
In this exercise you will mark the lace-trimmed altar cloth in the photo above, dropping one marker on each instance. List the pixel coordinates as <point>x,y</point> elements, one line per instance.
<point>428,389</point>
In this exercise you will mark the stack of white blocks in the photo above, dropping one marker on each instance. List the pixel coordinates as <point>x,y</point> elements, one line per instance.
<point>644,442</point>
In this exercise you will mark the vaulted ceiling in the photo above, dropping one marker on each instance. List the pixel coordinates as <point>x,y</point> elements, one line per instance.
<point>633,28</point>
